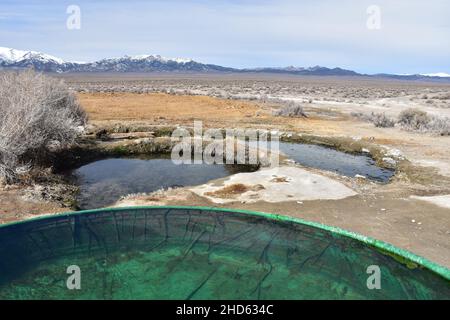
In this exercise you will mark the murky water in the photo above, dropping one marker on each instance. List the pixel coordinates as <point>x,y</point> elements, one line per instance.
<point>103,182</point>
<point>332,160</point>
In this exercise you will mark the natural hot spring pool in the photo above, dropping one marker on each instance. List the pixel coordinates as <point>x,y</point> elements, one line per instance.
<point>203,253</point>
<point>321,157</point>
<point>103,182</point>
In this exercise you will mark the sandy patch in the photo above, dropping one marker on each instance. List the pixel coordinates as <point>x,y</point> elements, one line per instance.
<point>441,201</point>
<point>274,185</point>
<point>442,166</point>
<point>158,198</point>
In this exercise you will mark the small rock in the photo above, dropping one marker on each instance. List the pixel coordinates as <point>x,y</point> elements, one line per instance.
<point>413,221</point>
<point>365,150</point>
<point>274,132</point>
<point>394,153</point>
<point>389,161</point>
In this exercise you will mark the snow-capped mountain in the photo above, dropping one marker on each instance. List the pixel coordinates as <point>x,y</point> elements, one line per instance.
<point>147,63</point>
<point>18,59</point>
<point>22,59</point>
<point>439,74</point>
<point>13,55</point>
<point>12,58</point>
<point>159,58</point>
<point>315,71</point>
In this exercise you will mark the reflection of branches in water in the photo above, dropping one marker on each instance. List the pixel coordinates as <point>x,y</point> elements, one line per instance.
<point>295,241</point>
<point>406,289</point>
<point>93,234</point>
<point>323,251</point>
<point>187,223</point>
<point>305,241</point>
<point>122,279</point>
<point>104,281</point>
<point>239,235</point>
<point>219,219</point>
<point>36,244</point>
<point>264,259</point>
<point>316,256</point>
<point>166,225</point>
<point>134,225</point>
<point>193,243</point>
<point>145,225</point>
<point>191,229</point>
<point>290,251</point>
<point>189,297</point>
<point>72,224</point>
<point>117,226</point>
<point>46,241</point>
<point>166,231</point>
<point>194,226</point>
<point>76,228</point>
<point>260,282</point>
<point>212,232</point>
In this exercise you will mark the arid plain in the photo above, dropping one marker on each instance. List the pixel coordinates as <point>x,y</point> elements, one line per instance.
<point>411,211</point>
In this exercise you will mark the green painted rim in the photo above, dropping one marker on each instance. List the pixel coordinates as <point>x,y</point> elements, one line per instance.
<point>382,246</point>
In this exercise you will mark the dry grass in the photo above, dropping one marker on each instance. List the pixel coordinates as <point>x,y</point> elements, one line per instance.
<point>156,106</point>
<point>279,180</point>
<point>229,191</point>
<point>132,109</point>
<point>233,190</point>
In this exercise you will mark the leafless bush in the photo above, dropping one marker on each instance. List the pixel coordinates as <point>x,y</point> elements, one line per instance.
<point>439,125</point>
<point>380,120</point>
<point>37,114</point>
<point>413,119</point>
<point>291,109</point>
<point>417,120</point>
<point>359,115</point>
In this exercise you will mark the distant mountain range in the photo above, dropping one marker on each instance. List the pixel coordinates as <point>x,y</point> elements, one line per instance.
<point>18,59</point>
<point>12,58</point>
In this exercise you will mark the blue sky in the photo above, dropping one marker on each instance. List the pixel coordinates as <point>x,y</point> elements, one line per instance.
<point>414,35</point>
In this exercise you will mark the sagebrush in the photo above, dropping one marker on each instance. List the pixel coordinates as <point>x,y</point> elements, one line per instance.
<point>380,120</point>
<point>37,113</point>
<point>290,109</point>
<point>413,119</point>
